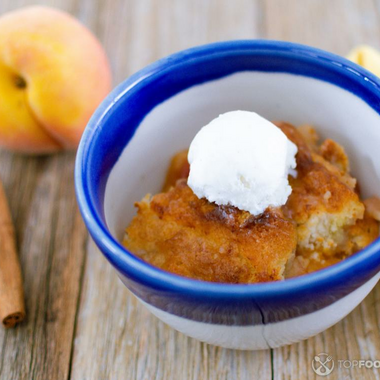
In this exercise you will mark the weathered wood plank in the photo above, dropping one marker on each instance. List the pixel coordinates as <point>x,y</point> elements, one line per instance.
<point>115,336</point>
<point>51,239</point>
<point>335,26</point>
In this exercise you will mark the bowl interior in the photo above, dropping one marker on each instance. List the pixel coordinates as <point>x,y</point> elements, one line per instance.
<point>170,126</point>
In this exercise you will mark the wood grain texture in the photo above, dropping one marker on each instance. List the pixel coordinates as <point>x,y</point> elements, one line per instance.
<point>51,239</point>
<point>82,322</point>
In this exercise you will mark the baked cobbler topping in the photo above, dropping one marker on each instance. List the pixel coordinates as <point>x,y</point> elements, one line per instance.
<point>322,222</point>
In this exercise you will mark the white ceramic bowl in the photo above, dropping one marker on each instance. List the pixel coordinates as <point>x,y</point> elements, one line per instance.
<point>128,143</point>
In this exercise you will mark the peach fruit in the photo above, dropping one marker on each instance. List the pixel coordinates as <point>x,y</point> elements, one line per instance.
<point>53,75</point>
<point>366,56</point>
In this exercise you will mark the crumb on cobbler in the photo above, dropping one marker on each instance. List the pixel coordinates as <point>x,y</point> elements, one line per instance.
<point>323,222</point>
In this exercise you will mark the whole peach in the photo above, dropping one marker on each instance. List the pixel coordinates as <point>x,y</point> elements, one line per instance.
<point>53,74</point>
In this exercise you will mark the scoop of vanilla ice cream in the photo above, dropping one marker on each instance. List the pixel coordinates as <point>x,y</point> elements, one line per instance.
<point>243,160</point>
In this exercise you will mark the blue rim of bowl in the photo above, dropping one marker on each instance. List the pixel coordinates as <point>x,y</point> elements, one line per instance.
<point>131,266</point>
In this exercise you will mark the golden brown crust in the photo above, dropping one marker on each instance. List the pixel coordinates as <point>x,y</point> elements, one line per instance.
<point>334,153</point>
<point>325,205</point>
<point>309,135</point>
<point>319,185</point>
<point>183,234</point>
<point>179,168</point>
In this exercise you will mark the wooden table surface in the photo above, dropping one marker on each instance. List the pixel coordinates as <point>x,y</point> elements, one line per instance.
<point>82,322</point>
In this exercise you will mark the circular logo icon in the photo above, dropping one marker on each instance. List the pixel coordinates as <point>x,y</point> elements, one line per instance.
<point>323,364</point>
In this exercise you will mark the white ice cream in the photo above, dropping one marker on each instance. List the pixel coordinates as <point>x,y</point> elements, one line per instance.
<point>243,160</point>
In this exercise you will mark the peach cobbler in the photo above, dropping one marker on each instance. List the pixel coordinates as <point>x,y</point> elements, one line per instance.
<point>322,222</point>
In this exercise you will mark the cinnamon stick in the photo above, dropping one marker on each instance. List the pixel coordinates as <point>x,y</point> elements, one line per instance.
<point>12,307</point>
